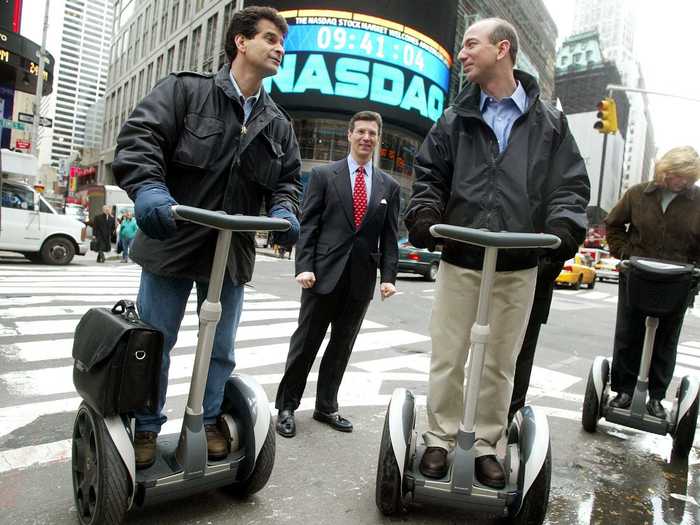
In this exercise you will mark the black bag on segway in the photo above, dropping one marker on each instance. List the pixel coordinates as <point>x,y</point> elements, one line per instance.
<point>659,288</point>
<point>117,360</point>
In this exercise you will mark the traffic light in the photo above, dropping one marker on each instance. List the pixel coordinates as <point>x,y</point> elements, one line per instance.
<point>607,116</point>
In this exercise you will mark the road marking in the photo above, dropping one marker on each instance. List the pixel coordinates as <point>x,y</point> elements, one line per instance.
<point>189,321</point>
<point>59,380</point>
<point>66,310</point>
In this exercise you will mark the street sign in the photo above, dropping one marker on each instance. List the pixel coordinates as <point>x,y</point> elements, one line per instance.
<point>23,144</point>
<point>28,118</point>
<point>11,124</point>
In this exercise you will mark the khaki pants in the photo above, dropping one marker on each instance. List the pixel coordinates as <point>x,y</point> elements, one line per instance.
<point>454,313</point>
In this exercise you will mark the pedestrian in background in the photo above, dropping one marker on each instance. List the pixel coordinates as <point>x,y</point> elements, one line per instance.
<point>103,228</point>
<point>661,220</point>
<point>127,232</point>
<point>500,159</point>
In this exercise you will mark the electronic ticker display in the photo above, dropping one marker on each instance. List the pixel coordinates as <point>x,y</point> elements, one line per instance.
<point>343,61</point>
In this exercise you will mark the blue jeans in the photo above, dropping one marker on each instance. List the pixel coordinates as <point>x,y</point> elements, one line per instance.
<point>126,246</point>
<point>161,303</point>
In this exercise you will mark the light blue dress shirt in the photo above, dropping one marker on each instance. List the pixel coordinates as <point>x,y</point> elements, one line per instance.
<point>247,103</point>
<point>352,167</point>
<point>500,115</point>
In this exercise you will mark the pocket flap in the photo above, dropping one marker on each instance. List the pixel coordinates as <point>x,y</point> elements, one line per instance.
<point>203,127</point>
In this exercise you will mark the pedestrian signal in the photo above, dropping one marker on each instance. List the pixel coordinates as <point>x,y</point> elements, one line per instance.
<point>607,116</point>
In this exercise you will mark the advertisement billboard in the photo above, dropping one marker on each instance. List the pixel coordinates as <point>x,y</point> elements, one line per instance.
<point>393,57</point>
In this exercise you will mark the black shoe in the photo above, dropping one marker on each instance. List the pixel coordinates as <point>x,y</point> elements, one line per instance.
<point>286,426</point>
<point>489,472</point>
<point>622,400</point>
<point>335,421</point>
<point>434,462</point>
<point>656,409</point>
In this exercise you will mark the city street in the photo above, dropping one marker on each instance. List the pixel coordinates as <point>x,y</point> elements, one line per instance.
<point>616,475</point>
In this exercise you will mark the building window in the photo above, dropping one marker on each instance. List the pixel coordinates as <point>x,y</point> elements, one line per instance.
<point>159,68</point>
<point>149,77</point>
<point>182,54</point>
<point>228,13</point>
<point>186,8</point>
<point>198,6</point>
<point>164,21</point>
<point>577,58</point>
<point>174,15</point>
<point>169,60</point>
<point>194,52</point>
<point>209,43</point>
<point>139,91</point>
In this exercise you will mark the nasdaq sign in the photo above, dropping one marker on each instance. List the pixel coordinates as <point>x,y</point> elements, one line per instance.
<point>344,61</point>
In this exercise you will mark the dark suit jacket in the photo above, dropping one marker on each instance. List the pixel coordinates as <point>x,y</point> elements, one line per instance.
<point>328,238</point>
<point>103,228</point>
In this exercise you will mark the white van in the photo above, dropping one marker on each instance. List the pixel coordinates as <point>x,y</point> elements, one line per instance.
<point>31,226</point>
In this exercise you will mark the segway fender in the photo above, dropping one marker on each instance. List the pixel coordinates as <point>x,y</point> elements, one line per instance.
<point>533,439</point>
<point>249,399</point>
<point>601,369</point>
<point>402,416</point>
<point>118,433</point>
<point>688,392</point>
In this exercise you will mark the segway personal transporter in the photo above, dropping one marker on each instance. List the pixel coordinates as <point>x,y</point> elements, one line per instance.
<point>527,462</point>
<point>106,483</point>
<point>657,289</point>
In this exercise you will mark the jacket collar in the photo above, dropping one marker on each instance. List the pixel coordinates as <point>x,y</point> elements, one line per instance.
<point>468,100</point>
<point>223,82</point>
<point>688,193</point>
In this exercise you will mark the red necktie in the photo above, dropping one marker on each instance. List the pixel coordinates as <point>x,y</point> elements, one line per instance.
<point>359,197</point>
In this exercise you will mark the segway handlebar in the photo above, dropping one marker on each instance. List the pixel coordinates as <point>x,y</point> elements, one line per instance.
<point>221,221</point>
<point>488,239</point>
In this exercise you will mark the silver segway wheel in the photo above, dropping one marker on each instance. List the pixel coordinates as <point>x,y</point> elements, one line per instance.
<point>592,409</point>
<point>262,470</point>
<point>534,507</point>
<point>684,432</point>
<point>101,485</point>
<point>389,487</point>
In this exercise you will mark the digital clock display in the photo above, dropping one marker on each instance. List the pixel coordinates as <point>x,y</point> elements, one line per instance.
<point>347,61</point>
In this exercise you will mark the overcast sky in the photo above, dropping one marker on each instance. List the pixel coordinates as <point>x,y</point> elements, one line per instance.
<point>666,45</point>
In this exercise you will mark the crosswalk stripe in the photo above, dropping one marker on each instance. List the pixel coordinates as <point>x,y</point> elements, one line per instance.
<point>181,367</point>
<point>59,380</point>
<point>56,311</point>
<point>191,320</point>
<point>62,348</point>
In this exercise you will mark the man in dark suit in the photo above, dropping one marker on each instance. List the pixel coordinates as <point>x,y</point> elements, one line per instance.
<point>103,228</point>
<point>349,228</point>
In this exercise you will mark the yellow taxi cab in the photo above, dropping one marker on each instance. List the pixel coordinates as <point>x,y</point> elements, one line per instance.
<point>576,272</point>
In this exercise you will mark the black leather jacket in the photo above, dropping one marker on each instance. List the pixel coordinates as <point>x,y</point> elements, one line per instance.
<point>188,134</point>
<point>539,180</point>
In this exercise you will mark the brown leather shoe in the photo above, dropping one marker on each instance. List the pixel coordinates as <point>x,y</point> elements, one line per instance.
<point>434,462</point>
<point>489,472</point>
<point>217,445</point>
<point>145,449</point>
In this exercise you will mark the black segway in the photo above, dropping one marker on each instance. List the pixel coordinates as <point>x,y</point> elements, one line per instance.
<point>657,289</point>
<point>106,483</point>
<point>527,463</point>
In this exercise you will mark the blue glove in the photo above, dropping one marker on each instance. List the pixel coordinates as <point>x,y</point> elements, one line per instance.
<point>290,237</point>
<point>153,213</point>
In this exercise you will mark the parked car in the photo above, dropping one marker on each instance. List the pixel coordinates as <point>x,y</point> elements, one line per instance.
<point>576,272</point>
<point>418,260</point>
<point>32,227</point>
<point>607,269</point>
